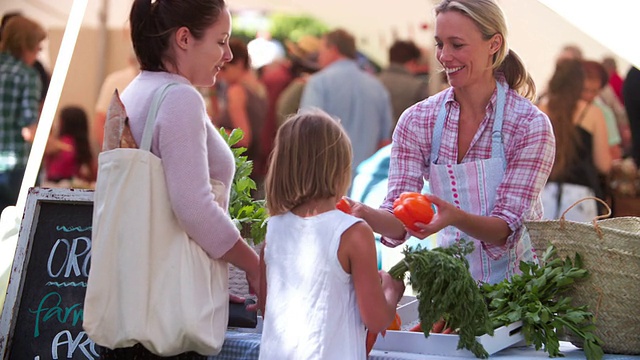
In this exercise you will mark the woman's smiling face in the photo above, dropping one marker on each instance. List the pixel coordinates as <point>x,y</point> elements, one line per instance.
<point>461,49</point>
<point>204,57</point>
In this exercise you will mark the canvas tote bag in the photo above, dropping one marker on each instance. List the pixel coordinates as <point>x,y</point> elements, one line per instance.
<point>149,283</point>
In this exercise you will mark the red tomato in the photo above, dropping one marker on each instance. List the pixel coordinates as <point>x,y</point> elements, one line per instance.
<point>371,339</point>
<point>411,208</point>
<point>343,205</point>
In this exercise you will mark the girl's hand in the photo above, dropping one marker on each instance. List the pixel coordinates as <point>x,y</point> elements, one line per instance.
<point>446,215</point>
<point>358,209</point>
<point>396,287</point>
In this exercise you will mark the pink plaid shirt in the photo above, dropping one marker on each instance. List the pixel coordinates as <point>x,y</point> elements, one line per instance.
<point>529,146</point>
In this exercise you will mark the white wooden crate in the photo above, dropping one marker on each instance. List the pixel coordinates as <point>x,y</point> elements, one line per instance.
<point>441,344</point>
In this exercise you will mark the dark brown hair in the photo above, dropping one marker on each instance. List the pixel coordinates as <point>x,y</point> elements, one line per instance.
<point>240,53</point>
<point>153,24</point>
<point>343,41</point>
<point>595,70</point>
<point>74,123</point>
<point>565,91</point>
<point>403,51</point>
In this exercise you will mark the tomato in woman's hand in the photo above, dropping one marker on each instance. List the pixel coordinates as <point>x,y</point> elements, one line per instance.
<point>343,205</point>
<point>411,208</point>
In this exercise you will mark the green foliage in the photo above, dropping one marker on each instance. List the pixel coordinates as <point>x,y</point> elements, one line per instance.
<point>249,215</point>
<point>535,297</point>
<point>445,289</point>
<point>283,27</point>
<point>292,27</point>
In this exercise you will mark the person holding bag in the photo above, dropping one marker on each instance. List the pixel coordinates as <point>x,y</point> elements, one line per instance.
<point>179,45</point>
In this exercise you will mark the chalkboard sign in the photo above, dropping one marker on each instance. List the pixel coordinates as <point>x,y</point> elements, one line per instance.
<point>42,314</point>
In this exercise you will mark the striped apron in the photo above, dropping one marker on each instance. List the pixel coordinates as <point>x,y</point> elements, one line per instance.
<point>472,187</point>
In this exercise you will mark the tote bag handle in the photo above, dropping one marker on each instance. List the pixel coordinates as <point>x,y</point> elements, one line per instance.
<point>147,135</point>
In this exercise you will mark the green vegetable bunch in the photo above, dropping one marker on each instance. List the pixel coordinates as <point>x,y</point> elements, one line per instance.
<point>445,289</point>
<point>249,215</point>
<point>535,297</point>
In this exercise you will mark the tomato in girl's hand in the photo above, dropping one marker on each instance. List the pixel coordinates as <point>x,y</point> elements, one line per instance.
<point>371,339</point>
<point>343,205</point>
<point>396,324</point>
<point>411,208</point>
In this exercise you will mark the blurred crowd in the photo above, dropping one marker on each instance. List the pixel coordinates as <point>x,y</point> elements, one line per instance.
<point>594,108</point>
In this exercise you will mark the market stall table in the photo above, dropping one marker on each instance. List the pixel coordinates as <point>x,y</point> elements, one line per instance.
<point>240,345</point>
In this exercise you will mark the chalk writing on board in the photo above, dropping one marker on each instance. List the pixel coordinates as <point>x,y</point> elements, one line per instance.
<point>73,228</point>
<point>43,311</point>
<point>75,254</point>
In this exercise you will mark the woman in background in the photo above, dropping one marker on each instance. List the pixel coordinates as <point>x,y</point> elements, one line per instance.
<point>246,105</point>
<point>582,148</point>
<point>68,155</point>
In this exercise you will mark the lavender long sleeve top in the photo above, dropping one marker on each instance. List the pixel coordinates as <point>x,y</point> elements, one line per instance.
<point>192,152</point>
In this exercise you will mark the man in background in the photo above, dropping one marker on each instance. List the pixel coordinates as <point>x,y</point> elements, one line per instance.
<point>400,79</point>
<point>345,91</point>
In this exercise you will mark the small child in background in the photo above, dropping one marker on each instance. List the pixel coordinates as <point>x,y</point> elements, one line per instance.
<point>68,154</point>
<point>320,284</point>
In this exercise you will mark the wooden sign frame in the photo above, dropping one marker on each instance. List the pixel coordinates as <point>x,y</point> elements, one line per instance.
<point>35,198</point>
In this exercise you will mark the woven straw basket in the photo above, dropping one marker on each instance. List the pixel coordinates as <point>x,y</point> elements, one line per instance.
<point>610,250</point>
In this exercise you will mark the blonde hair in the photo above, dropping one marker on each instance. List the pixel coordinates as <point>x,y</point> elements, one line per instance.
<point>20,34</point>
<point>311,160</point>
<point>490,19</point>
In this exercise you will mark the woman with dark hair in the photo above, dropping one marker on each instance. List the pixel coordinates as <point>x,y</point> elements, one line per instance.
<point>68,155</point>
<point>246,105</point>
<point>582,148</point>
<point>186,42</point>
<point>485,149</point>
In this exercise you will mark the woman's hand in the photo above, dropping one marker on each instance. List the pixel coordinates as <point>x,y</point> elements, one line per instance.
<point>253,279</point>
<point>446,215</point>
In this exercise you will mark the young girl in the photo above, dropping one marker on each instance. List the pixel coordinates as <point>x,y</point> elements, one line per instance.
<point>68,155</point>
<point>320,284</point>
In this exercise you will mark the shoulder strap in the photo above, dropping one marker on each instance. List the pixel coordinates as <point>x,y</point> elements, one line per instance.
<point>583,113</point>
<point>147,134</point>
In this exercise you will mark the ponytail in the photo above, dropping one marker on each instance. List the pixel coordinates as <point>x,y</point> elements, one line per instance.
<point>148,42</point>
<point>517,76</point>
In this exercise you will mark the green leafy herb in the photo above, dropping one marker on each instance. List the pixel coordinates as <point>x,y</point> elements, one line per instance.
<point>249,215</point>
<point>444,288</point>
<point>535,297</point>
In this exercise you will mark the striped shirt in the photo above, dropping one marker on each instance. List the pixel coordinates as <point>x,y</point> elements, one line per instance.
<point>19,107</point>
<point>529,147</point>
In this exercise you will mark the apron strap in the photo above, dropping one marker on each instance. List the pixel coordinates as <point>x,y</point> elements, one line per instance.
<point>497,147</point>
